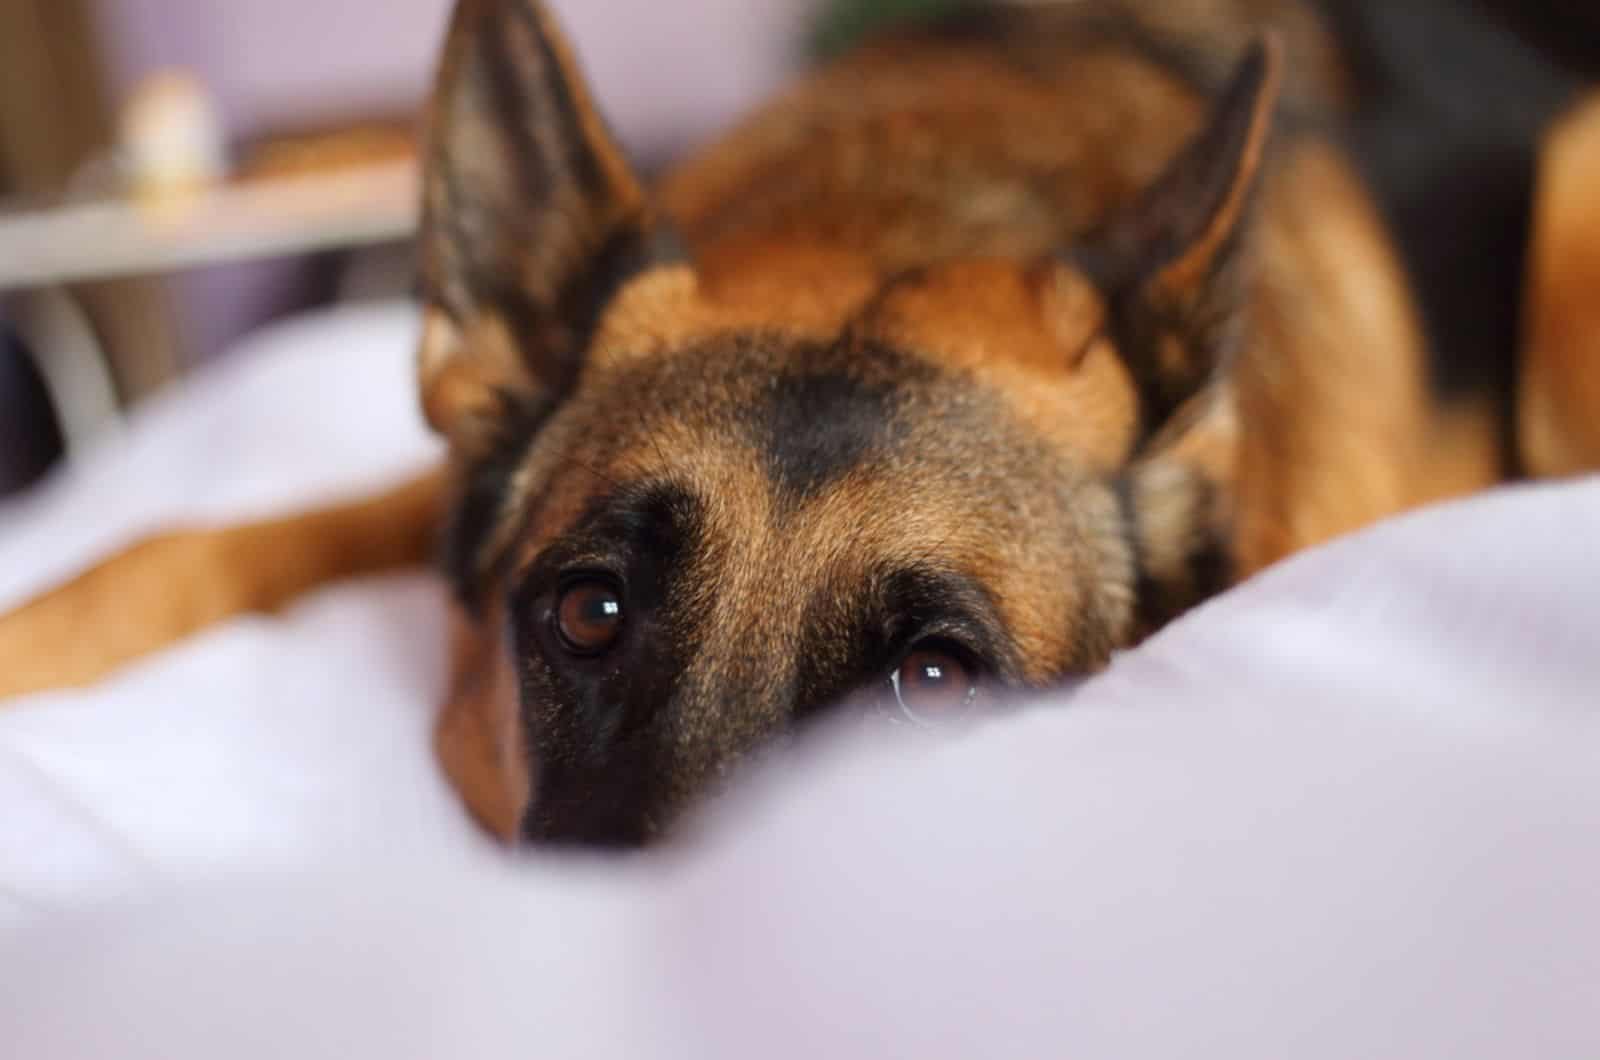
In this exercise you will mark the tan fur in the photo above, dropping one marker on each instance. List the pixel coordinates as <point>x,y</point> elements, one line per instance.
<point>1560,399</point>
<point>848,159</point>
<point>171,586</point>
<point>479,739</point>
<point>1035,335</point>
<point>1337,429</point>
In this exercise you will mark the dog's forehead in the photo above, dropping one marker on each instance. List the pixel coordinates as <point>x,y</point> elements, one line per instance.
<point>1030,334</point>
<point>818,466</point>
<point>803,416</point>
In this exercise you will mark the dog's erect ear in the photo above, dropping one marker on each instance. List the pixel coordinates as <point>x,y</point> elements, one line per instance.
<point>532,218</point>
<point>1171,262</point>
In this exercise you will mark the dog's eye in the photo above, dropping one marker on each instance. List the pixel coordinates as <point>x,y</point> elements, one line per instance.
<point>589,616</point>
<point>935,683</point>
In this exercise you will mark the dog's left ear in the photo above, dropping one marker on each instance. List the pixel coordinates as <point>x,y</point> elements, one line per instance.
<point>532,220</point>
<point>1171,263</point>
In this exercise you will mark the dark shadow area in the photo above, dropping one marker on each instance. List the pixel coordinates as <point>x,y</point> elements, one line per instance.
<point>30,435</point>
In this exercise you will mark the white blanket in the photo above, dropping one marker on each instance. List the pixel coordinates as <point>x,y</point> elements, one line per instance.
<point>1351,809</point>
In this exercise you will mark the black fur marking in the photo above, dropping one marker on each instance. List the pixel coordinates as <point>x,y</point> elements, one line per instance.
<point>476,514</point>
<point>814,428</point>
<point>598,722</point>
<point>1211,571</point>
<point>1146,591</point>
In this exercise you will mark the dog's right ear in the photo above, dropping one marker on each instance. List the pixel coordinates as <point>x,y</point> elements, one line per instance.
<point>1172,262</point>
<point>532,220</point>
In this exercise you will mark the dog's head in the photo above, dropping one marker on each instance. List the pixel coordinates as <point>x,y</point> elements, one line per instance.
<point>700,502</point>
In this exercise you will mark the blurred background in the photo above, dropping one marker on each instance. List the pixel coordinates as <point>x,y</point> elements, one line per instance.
<point>175,174</point>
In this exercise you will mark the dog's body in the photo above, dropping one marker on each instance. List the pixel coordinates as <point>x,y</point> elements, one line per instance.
<point>978,356</point>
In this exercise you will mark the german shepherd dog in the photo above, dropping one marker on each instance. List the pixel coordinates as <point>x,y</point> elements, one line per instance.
<point>975,358</point>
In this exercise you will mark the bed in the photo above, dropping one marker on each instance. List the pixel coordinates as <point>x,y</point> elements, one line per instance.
<point>1350,808</point>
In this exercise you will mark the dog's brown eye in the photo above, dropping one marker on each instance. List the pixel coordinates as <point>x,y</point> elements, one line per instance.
<point>589,616</point>
<point>934,684</point>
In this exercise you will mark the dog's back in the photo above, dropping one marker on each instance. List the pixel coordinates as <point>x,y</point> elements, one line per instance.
<point>999,130</point>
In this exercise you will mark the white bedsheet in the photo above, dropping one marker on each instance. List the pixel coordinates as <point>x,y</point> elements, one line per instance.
<point>1352,809</point>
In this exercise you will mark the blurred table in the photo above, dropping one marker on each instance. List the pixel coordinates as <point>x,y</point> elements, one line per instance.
<point>344,208</point>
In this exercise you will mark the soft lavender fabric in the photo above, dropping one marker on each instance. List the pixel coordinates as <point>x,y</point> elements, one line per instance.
<point>1347,810</point>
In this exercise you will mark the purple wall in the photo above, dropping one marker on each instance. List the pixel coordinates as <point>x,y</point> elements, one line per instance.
<point>665,69</point>
<point>667,72</point>
<point>271,62</point>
